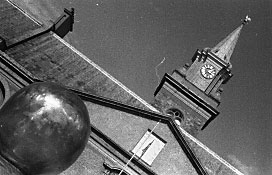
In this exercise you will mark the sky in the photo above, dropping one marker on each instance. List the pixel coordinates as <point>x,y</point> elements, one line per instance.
<point>129,38</point>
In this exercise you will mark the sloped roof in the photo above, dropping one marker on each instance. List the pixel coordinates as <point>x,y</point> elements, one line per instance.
<point>14,22</point>
<point>7,169</point>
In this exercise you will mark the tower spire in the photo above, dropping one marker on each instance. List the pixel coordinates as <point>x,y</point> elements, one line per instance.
<point>224,49</point>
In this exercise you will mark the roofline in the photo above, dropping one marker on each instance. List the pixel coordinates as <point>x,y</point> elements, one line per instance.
<point>25,13</point>
<point>210,151</point>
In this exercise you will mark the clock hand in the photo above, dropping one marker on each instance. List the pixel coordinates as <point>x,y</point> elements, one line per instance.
<point>210,71</point>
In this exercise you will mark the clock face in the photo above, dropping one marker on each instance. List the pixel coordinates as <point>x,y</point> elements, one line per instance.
<point>208,71</point>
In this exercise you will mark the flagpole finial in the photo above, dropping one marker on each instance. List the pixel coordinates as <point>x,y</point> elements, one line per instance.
<point>246,20</point>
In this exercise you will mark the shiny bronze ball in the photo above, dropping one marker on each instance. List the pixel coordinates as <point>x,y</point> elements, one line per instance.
<point>44,127</point>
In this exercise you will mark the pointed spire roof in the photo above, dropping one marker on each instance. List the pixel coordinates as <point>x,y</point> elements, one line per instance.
<point>224,49</point>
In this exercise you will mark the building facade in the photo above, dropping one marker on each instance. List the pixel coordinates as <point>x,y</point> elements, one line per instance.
<point>128,136</point>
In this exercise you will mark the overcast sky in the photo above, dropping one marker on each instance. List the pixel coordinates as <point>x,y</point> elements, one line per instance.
<point>129,38</point>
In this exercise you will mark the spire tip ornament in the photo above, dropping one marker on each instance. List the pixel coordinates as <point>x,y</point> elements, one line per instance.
<point>246,20</point>
<point>224,49</point>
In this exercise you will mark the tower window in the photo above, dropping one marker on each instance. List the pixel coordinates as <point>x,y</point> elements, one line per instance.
<point>176,114</point>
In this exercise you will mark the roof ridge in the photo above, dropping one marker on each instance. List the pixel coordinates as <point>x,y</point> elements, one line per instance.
<point>106,74</point>
<point>25,13</point>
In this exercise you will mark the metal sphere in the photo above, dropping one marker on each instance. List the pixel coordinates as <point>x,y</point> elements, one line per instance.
<point>43,128</point>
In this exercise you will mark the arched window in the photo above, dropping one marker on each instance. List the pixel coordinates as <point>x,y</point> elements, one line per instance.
<point>176,114</point>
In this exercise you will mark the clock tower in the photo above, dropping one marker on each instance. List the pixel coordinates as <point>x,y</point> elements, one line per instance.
<point>191,94</point>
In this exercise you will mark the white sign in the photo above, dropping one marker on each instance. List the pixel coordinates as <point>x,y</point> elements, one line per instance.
<point>149,147</point>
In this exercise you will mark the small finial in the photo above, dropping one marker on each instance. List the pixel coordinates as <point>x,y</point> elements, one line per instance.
<point>246,20</point>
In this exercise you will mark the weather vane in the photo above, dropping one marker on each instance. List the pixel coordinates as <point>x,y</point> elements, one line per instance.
<point>246,20</point>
